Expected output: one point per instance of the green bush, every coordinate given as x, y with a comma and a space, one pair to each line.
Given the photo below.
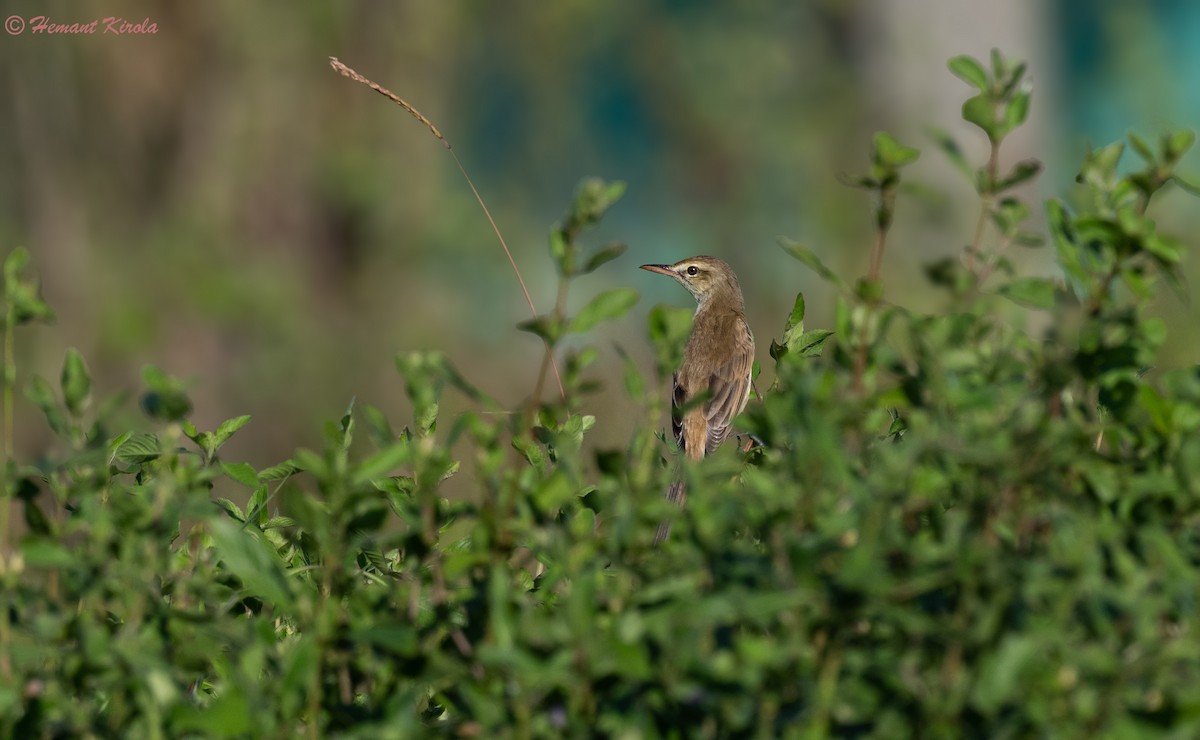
951, 528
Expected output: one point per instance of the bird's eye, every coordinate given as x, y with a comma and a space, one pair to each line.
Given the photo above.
692, 270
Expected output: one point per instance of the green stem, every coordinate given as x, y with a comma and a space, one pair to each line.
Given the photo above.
10, 377
560, 309
985, 205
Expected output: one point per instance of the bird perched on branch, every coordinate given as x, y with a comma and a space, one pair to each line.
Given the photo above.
717, 363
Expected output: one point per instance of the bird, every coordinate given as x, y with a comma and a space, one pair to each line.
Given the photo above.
717, 363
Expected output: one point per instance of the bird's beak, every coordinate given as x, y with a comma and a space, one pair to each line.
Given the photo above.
660, 269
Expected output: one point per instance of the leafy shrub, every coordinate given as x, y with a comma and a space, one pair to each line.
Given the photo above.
952, 528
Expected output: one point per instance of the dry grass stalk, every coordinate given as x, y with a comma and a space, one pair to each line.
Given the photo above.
347, 72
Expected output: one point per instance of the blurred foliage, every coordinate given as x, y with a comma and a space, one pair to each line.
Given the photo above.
954, 528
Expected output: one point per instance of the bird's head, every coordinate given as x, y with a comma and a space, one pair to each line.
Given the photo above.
704, 277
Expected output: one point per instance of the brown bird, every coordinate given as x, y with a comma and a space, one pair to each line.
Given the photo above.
717, 362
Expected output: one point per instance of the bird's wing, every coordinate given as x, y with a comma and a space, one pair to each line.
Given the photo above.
729, 386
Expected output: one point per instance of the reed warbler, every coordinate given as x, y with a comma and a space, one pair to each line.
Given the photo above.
717, 363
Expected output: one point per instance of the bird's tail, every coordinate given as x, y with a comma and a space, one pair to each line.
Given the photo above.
677, 495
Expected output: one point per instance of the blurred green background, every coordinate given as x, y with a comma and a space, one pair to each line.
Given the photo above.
214, 199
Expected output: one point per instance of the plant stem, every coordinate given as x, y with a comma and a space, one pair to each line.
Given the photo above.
883, 220
10, 377
560, 308
985, 205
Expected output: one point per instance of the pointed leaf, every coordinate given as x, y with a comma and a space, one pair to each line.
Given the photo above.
255, 562
228, 428
969, 70
953, 152
1177, 144
283, 470
546, 327
1016, 111
42, 395
76, 383
1022, 171
1142, 148
809, 258
136, 448
796, 318
1032, 292
891, 153
809, 343
610, 304
382, 462
242, 473
603, 256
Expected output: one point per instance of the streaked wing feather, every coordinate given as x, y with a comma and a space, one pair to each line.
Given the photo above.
678, 398
730, 388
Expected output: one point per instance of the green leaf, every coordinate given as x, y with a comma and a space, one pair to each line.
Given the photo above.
809, 343
809, 258
1022, 172
134, 448
546, 326
22, 294
255, 562
999, 65
669, 327
1165, 249
1003, 675
228, 428
1014, 79
1142, 148
383, 462
1032, 292
345, 427
562, 251
531, 451
892, 154
42, 395
592, 199
231, 509
777, 351
610, 304
635, 385
981, 111
1177, 144
13, 264
603, 256
795, 339
242, 473
76, 383
1009, 214
796, 317
970, 71
953, 152
40, 552
378, 427
1016, 111
283, 470
1028, 239
1104, 161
